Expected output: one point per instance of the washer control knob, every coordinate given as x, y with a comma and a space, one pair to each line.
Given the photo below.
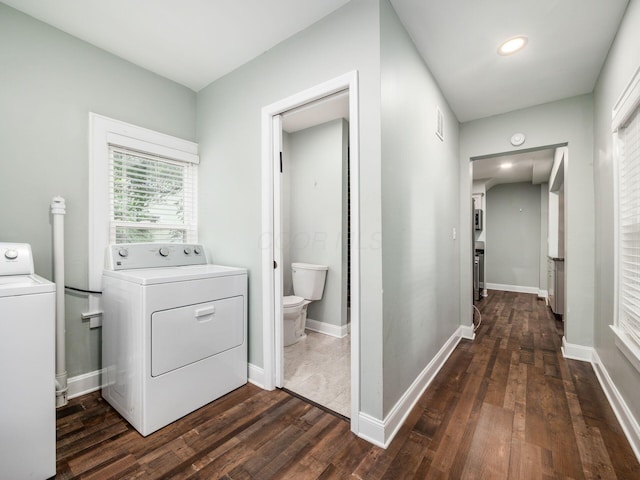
11, 254
197, 250
123, 252
164, 251
187, 251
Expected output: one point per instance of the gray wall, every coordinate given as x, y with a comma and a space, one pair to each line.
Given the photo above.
313, 168
621, 64
565, 121
512, 248
49, 82
419, 210
229, 134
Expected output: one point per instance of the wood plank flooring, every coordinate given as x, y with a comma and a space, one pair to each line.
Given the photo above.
506, 406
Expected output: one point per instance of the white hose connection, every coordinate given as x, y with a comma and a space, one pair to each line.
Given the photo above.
58, 211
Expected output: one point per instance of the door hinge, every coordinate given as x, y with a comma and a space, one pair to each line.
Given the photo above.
280, 162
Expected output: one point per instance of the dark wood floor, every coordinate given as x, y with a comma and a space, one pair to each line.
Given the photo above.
506, 406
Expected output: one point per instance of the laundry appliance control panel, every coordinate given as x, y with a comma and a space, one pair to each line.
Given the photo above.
128, 256
16, 259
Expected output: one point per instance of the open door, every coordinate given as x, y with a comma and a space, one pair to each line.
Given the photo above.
272, 258
277, 250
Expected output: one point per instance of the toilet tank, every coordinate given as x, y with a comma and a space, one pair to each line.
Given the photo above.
308, 280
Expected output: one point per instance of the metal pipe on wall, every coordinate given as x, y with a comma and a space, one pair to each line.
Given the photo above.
58, 210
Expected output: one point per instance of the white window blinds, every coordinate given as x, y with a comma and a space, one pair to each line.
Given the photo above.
629, 227
151, 198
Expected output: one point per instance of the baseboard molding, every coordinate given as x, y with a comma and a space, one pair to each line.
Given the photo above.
371, 429
381, 433
328, 329
577, 352
466, 331
83, 384
512, 288
618, 405
256, 375
543, 294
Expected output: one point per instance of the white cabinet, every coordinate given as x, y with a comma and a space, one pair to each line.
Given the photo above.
555, 284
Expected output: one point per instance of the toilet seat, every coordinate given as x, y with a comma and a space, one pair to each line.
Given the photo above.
291, 301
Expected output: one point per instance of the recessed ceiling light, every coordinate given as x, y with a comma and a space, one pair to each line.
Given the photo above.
506, 165
512, 45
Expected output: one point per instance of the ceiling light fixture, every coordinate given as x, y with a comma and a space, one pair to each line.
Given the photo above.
512, 45
506, 165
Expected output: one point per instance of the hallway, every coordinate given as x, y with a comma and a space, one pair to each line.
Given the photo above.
537, 414
506, 406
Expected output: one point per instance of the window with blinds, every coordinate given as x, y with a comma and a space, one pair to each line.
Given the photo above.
151, 198
629, 227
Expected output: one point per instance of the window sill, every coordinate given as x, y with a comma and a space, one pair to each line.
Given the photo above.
627, 346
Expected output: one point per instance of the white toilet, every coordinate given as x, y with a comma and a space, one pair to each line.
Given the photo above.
308, 285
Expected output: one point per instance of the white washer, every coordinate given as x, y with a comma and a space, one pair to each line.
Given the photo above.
174, 331
27, 367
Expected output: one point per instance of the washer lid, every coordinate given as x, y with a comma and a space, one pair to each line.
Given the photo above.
13, 285
292, 301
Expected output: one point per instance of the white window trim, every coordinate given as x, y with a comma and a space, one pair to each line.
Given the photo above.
102, 131
624, 107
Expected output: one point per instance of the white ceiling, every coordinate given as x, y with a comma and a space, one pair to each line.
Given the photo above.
568, 43
324, 110
534, 167
194, 42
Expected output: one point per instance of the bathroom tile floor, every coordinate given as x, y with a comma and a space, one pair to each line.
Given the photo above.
318, 368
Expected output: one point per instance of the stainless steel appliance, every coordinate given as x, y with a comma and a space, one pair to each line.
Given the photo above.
477, 219
479, 285
476, 278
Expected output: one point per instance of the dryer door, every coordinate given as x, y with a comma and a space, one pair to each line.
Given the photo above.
185, 335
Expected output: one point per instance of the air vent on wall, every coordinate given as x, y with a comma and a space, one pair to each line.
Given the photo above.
439, 124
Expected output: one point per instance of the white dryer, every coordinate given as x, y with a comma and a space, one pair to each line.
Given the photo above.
174, 331
27, 367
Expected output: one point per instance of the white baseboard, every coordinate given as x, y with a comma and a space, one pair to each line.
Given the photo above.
618, 405
466, 331
381, 433
512, 288
577, 352
543, 294
83, 384
256, 375
328, 329
371, 429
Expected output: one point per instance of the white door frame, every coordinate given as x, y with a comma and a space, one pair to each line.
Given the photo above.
270, 242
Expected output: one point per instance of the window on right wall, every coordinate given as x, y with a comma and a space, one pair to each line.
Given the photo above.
626, 144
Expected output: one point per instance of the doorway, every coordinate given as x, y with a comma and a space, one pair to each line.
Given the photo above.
515, 231
315, 237
272, 245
